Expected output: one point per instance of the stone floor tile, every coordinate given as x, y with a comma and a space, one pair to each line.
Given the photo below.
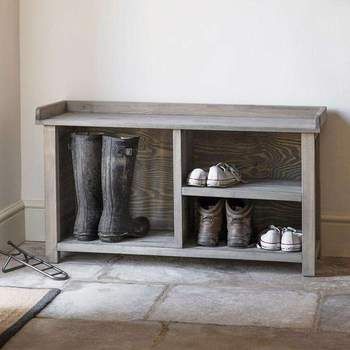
328, 285
87, 258
237, 306
53, 334
82, 271
103, 301
335, 313
279, 275
27, 277
209, 337
174, 271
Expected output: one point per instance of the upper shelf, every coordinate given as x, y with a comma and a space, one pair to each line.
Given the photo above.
183, 116
278, 190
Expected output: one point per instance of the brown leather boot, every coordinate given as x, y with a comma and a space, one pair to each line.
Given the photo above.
210, 212
239, 227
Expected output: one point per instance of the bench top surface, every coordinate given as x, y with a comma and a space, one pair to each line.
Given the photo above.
183, 116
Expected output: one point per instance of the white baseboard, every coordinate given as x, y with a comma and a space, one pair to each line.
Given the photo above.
335, 240
34, 220
12, 225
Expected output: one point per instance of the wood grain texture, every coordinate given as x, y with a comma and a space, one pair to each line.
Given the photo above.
188, 116
309, 204
276, 213
180, 225
269, 190
259, 156
265, 213
67, 194
199, 109
184, 122
163, 245
318, 196
52, 207
264, 142
51, 110
152, 189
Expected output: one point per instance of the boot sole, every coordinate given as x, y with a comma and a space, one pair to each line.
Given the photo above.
111, 240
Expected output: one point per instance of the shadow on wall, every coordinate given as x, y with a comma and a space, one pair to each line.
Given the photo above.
335, 186
335, 165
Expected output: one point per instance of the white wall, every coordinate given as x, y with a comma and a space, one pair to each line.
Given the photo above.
293, 52
11, 207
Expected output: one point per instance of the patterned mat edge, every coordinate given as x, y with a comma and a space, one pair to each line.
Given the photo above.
43, 302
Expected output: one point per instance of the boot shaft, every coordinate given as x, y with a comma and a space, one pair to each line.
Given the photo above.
117, 168
86, 159
239, 223
210, 212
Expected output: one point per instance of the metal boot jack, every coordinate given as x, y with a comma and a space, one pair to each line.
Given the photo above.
24, 259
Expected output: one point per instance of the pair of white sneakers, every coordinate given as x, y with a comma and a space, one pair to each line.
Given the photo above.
287, 239
219, 175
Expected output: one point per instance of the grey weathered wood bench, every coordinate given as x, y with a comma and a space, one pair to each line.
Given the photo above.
275, 147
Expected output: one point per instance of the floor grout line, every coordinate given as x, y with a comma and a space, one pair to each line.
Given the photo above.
158, 301
161, 335
317, 316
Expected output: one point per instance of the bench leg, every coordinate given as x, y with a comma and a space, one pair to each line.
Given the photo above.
308, 203
51, 193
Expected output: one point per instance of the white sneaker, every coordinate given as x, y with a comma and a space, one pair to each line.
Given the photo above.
223, 175
291, 240
270, 239
197, 177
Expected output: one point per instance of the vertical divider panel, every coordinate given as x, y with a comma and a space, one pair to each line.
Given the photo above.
179, 173
51, 192
308, 160
318, 196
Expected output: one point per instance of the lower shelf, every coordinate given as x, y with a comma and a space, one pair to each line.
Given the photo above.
161, 244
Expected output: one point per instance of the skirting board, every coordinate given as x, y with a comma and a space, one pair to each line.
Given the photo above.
12, 225
34, 220
335, 237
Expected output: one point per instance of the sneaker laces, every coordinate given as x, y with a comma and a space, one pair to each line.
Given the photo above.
273, 227
292, 229
233, 170
270, 227
208, 218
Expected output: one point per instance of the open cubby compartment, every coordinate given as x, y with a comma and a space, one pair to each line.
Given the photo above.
269, 162
152, 188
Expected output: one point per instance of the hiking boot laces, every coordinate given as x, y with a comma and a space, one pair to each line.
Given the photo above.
209, 219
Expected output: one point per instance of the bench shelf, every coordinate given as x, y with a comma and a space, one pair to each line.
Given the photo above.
278, 190
275, 147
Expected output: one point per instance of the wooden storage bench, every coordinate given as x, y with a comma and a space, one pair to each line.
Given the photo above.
276, 149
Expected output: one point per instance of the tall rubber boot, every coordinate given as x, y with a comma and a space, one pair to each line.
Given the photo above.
86, 156
117, 169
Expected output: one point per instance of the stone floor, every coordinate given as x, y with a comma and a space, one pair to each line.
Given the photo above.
129, 302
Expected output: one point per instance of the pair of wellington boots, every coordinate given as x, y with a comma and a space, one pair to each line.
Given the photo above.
103, 167
211, 221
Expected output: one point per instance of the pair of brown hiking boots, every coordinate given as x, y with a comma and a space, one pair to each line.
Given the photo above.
211, 221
